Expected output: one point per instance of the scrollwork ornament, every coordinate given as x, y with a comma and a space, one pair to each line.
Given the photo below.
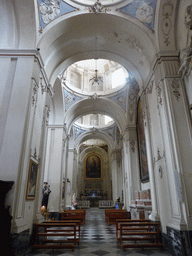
166, 24
132, 144
175, 85
159, 96
150, 88
98, 8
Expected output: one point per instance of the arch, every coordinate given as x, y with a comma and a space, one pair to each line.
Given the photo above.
99, 135
98, 105
61, 45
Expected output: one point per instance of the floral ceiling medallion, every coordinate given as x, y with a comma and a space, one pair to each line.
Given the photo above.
98, 8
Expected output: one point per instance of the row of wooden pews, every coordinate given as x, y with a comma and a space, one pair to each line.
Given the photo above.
60, 234
141, 233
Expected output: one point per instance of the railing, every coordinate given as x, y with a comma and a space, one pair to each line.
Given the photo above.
83, 204
106, 204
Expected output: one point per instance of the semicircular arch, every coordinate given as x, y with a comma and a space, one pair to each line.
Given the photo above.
96, 106
98, 135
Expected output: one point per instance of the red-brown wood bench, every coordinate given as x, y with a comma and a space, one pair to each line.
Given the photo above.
139, 235
78, 226
74, 215
112, 216
55, 236
120, 221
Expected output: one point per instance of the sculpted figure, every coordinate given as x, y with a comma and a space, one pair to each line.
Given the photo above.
185, 67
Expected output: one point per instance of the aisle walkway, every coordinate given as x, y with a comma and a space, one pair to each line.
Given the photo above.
98, 239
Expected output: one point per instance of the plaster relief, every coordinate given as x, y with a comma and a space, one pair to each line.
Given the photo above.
166, 24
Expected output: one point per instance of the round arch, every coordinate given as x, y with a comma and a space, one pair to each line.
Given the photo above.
98, 135
129, 45
96, 106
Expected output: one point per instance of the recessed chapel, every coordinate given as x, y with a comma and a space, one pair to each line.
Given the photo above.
96, 102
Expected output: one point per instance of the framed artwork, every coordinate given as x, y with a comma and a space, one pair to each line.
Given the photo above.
144, 173
32, 180
93, 167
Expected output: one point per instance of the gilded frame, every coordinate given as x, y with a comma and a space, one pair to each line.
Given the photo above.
93, 167
32, 180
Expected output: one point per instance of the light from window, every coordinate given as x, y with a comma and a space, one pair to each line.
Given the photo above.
118, 78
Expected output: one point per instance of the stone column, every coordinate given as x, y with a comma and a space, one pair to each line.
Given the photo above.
177, 137
115, 169
131, 164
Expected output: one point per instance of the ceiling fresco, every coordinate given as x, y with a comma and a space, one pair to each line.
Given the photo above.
142, 10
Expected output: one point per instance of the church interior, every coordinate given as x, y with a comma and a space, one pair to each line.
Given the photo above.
96, 112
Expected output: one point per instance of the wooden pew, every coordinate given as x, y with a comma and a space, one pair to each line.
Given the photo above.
74, 215
143, 234
113, 215
120, 221
78, 226
66, 232
112, 210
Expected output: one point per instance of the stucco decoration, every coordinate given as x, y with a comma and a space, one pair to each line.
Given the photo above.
78, 131
120, 99
70, 99
35, 94
143, 10
188, 17
166, 24
98, 8
175, 85
110, 131
51, 9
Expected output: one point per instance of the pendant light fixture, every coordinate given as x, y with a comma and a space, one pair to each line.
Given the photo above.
96, 79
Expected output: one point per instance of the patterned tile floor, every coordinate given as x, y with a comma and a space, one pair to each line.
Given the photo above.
98, 239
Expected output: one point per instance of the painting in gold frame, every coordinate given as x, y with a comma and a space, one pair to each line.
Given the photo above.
32, 180
92, 167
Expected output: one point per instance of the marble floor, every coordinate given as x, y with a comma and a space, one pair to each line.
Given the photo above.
97, 239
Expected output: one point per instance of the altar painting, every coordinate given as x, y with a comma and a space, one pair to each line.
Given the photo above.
142, 144
93, 167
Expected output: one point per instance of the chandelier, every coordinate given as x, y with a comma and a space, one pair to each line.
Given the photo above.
96, 79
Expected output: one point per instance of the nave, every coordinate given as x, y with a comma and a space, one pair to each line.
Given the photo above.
98, 238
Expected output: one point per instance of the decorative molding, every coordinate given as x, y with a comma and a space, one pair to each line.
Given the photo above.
120, 99
166, 24
34, 156
159, 157
132, 144
159, 96
144, 117
94, 96
35, 89
111, 132
94, 130
150, 87
175, 85
160, 172
188, 17
97, 8
70, 99
78, 131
